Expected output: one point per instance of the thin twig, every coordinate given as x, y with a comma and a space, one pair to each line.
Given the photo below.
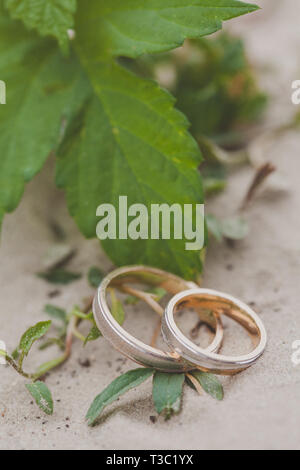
195, 383
261, 174
147, 297
156, 333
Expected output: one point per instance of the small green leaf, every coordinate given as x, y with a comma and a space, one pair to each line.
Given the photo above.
210, 384
56, 312
32, 335
93, 335
158, 292
42, 395
118, 387
213, 185
117, 308
235, 228
214, 227
59, 276
47, 366
95, 276
15, 354
131, 300
50, 342
167, 392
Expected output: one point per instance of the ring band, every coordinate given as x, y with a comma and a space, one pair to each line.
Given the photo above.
127, 344
224, 304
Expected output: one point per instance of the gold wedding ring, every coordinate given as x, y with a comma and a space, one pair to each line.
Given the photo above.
225, 304
127, 344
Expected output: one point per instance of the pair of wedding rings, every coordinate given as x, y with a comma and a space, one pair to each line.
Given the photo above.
184, 355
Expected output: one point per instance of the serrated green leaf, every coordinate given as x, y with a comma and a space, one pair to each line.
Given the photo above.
33, 334
210, 384
56, 312
48, 17
167, 392
235, 228
42, 395
93, 335
59, 276
153, 131
42, 91
134, 27
95, 276
118, 387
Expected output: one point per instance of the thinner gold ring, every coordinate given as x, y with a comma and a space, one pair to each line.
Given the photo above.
204, 359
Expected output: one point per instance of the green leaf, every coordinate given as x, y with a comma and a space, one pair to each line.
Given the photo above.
43, 90
214, 227
117, 308
95, 276
167, 392
210, 384
33, 334
104, 155
47, 366
135, 27
15, 354
59, 276
93, 335
48, 17
131, 300
118, 387
56, 312
217, 90
235, 228
50, 342
42, 395
158, 292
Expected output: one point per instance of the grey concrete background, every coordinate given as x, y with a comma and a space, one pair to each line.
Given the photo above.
261, 408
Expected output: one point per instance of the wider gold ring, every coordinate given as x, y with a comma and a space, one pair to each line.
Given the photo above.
127, 344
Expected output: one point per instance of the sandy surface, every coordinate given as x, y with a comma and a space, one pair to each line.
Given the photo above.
261, 409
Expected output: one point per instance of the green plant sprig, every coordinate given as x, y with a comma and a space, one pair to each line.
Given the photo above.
167, 388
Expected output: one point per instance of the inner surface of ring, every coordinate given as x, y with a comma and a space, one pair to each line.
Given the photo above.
221, 306
171, 283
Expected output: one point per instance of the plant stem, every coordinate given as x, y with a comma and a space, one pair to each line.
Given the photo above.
145, 296
18, 368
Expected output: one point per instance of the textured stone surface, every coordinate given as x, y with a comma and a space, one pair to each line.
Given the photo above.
261, 409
